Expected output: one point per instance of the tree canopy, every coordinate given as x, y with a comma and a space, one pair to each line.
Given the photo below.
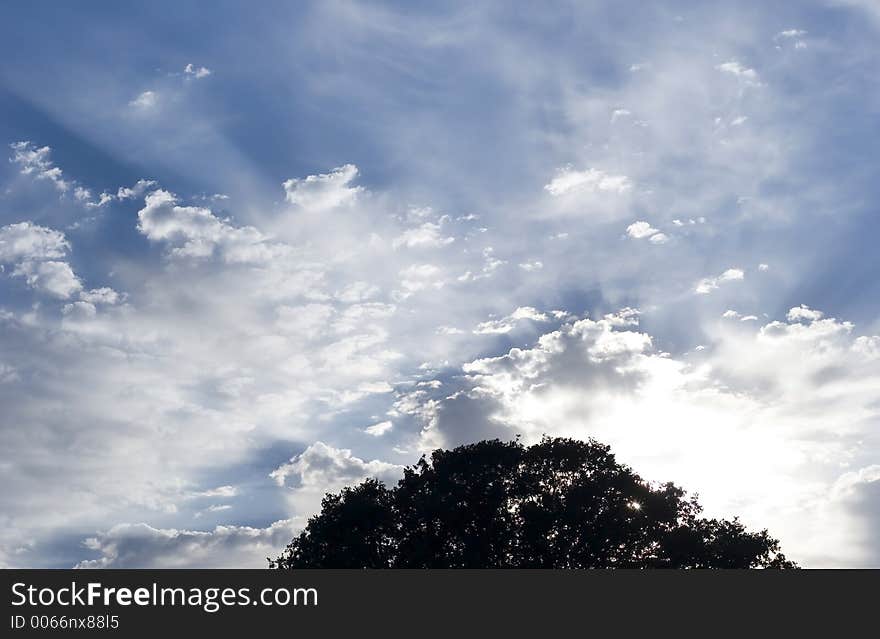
560, 503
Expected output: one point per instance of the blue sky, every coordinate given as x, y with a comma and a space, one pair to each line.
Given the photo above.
252, 254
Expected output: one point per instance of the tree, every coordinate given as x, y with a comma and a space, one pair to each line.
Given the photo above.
561, 503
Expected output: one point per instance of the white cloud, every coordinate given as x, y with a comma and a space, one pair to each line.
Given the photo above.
143, 546
425, 236
196, 232
420, 276
709, 284
53, 277
146, 100
28, 241
735, 68
325, 468
692, 423
689, 222
641, 229
568, 181
450, 330
103, 295
80, 310
324, 191
226, 491
532, 265
509, 322
729, 314
490, 265
791, 35
848, 483
803, 313
298, 328
30, 248
136, 190
196, 72
732, 274
378, 429
35, 161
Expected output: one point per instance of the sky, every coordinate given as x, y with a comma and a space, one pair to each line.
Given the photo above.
253, 253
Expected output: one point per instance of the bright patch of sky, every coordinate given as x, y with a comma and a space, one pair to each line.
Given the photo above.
233, 277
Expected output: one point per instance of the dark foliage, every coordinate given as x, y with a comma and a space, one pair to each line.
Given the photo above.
561, 503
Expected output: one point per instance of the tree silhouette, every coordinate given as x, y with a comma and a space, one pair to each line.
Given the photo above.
561, 503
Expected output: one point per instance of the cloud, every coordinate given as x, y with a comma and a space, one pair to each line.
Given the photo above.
568, 181
731, 314
489, 266
641, 230
53, 277
532, 265
509, 322
324, 191
84, 196
420, 276
855, 502
35, 161
849, 483
144, 101
735, 68
196, 232
694, 422
297, 321
30, 248
709, 284
197, 72
322, 467
143, 546
425, 236
135, 191
582, 356
29, 241
803, 313
378, 429
794, 36
103, 295
226, 491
